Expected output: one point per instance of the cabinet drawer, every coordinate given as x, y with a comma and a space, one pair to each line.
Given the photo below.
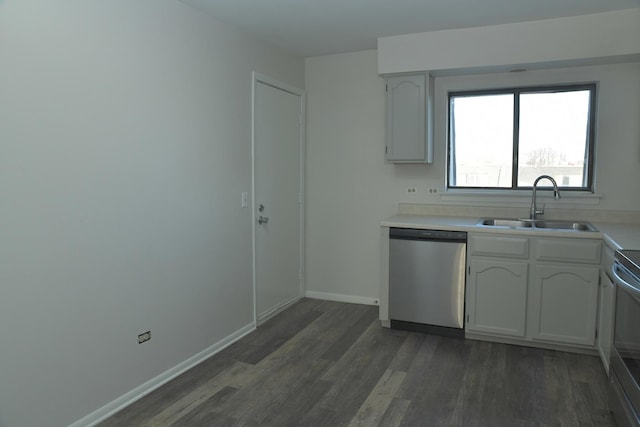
572, 250
503, 246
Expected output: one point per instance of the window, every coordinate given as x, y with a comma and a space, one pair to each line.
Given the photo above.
504, 139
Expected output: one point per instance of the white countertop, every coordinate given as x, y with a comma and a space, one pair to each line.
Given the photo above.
620, 236
617, 236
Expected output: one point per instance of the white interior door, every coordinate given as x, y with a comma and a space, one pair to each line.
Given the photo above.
277, 144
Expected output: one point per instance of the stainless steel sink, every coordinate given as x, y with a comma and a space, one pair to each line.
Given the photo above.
542, 224
564, 225
506, 222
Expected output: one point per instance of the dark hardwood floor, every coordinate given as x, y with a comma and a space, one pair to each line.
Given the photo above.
322, 363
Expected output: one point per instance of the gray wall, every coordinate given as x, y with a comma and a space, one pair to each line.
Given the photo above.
125, 142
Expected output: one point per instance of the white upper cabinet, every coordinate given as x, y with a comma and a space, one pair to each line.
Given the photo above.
408, 119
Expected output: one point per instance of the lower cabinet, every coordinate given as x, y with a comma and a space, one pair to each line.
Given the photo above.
497, 297
533, 298
605, 308
564, 301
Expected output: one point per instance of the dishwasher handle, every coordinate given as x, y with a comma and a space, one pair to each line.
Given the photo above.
418, 234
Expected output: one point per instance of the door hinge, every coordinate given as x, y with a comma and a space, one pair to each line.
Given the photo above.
467, 317
386, 87
596, 334
469, 270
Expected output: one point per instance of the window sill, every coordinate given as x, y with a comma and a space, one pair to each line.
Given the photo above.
502, 197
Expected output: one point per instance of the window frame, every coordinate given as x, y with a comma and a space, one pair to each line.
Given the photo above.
592, 87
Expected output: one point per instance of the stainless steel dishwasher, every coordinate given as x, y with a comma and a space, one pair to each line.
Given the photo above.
427, 280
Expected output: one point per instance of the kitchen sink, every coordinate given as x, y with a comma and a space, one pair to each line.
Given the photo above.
511, 223
564, 225
541, 224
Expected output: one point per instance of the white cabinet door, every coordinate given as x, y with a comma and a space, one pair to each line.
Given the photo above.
605, 319
606, 301
563, 303
408, 126
497, 297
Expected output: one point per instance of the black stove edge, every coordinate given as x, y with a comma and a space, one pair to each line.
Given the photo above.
630, 258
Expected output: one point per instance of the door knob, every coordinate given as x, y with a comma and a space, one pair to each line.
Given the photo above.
263, 220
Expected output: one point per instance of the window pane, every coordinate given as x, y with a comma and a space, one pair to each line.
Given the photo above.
553, 137
481, 141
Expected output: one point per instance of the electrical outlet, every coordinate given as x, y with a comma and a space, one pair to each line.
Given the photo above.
433, 190
144, 337
411, 190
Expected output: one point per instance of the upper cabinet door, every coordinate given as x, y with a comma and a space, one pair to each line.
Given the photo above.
408, 126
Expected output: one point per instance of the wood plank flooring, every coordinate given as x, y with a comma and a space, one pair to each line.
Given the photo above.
322, 363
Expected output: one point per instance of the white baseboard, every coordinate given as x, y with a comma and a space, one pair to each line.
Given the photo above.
142, 390
267, 315
342, 298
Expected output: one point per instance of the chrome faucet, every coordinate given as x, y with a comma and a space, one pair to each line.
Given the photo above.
556, 195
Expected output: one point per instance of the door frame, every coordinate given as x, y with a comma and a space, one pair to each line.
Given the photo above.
258, 78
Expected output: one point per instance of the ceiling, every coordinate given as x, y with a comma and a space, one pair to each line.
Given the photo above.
320, 27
